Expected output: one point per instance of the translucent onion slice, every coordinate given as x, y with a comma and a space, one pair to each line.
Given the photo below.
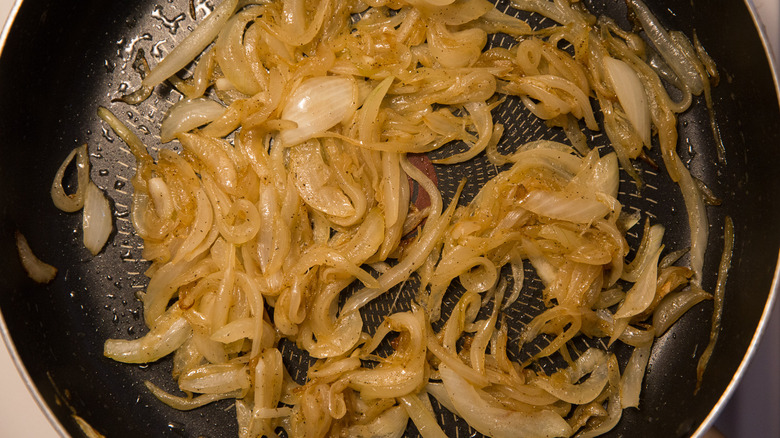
438, 2
667, 47
580, 393
317, 105
161, 197
455, 49
631, 382
483, 121
674, 305
697, 219
137, 147
651, 241
187, 114
199, 229
720, 290
38, 270
422, 416
614, 406
234, 330
344, 334
98, 223
598, 174
75, 201
189, 48
315, 183
561, 206
631, 95
215, 378
401, 373
497, 422
169, 334
438, 392
389, 424
187, 403
641, 295
460, 12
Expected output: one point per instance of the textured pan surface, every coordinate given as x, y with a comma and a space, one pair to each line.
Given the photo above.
63, 59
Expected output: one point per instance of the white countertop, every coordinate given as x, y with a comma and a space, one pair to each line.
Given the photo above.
20, 415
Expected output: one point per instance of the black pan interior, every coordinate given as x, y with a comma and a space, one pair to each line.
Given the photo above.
62, 59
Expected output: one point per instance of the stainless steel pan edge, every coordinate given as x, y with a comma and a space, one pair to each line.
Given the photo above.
773, 300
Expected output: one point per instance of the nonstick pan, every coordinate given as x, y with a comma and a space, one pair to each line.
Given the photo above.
61, 59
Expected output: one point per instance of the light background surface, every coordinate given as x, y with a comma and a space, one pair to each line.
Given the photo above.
752, 410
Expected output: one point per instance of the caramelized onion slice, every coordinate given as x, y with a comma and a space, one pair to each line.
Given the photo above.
38, 270
498, 422
75, 201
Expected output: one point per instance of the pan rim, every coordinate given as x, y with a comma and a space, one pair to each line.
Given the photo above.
739, 374
772, 300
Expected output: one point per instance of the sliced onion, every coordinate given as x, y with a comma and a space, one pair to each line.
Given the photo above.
74, 202
483, 121
498, 422
641, 295
315, 182
317, 105
598, 174
187, 403
189, 48
137, 147
389, 424
38, 270
344, 334
161, 197
422, 416
439, 392
455, 49
401, 373
579, 393
97, 223
215, 378
631, 95
367, 126
213, 154
169, 334
461, 12
718, 296
438, 2
416, 255
561, 206
631, 382
651, 242
235, 330
199, 229
697, 219
637, 337
187, 114
162, 287
674, 305
614, 406
666, 46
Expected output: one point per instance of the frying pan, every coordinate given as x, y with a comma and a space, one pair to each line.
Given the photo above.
61, 59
